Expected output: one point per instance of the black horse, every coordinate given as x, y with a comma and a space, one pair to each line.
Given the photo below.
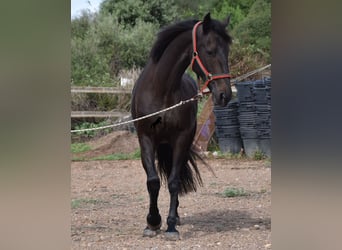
168, 136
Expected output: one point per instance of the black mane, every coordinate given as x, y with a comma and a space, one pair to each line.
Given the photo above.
166, 36
169, 33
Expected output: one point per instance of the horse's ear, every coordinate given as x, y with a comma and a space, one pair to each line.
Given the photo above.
226, 21
206, 23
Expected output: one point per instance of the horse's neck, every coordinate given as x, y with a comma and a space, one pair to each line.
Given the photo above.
173, 63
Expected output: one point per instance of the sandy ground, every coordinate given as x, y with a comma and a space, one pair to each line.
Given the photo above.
110, 203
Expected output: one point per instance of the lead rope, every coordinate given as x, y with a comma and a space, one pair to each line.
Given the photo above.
194, 98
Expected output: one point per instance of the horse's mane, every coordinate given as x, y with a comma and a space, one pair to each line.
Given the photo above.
169, 33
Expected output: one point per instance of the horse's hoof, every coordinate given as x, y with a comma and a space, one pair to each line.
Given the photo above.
172, 236
150, 233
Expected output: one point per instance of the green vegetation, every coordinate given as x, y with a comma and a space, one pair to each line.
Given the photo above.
132, 11
120, 35
234, 192
80, 147
259, 156
112, 157
119, 156
227, 155
76, 203
201, 103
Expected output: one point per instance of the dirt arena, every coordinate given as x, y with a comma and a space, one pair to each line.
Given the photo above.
110, 203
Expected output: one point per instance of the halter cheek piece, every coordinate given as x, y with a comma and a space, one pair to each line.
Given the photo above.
195, 57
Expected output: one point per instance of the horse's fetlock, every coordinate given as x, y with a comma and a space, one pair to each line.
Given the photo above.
171, 221
154, 221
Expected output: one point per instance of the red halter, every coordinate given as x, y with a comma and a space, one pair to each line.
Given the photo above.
209, 76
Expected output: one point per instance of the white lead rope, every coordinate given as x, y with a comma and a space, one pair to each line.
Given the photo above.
139, 118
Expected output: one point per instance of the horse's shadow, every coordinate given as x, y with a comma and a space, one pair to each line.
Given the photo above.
224, 220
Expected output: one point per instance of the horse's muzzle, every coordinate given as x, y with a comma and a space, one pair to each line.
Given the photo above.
221, 97
225, 98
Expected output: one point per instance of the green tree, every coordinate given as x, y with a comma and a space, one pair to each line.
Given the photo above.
106, 47
251, 48
81, 25
91, 51
255, 29
128, 12
237, 9
134, 44
194, 9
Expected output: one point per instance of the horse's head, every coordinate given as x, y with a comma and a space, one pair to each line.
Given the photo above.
210, 58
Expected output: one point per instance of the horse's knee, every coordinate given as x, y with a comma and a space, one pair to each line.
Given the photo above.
153, 184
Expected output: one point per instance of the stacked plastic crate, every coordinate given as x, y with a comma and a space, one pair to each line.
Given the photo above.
227, 127
255, 116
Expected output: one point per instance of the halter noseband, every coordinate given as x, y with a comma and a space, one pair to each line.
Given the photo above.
209, 76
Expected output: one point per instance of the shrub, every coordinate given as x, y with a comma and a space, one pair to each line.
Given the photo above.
104, 47
130, 12
134, 44
255, 30
91, 53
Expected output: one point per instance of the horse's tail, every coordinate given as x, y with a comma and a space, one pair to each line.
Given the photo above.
190, 177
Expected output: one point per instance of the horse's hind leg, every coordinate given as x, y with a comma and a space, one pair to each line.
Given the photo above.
173, 218
179, 159
153, 186
178, 222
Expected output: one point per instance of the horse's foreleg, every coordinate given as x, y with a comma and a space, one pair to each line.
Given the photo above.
153, 186
153, 217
